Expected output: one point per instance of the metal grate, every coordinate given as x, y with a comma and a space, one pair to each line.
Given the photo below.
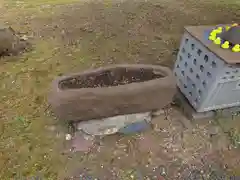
206, 80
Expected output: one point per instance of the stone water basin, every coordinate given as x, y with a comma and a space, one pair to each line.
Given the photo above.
111, 91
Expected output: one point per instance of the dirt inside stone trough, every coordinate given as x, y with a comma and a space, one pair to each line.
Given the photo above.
113, 77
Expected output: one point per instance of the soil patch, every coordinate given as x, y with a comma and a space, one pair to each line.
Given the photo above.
113, 77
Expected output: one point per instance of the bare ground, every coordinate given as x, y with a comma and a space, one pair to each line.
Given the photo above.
72, 37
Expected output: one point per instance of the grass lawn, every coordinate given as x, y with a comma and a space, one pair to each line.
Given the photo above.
71, 35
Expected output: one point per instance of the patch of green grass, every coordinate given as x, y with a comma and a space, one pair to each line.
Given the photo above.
234, 136
29, 148
236, 2
230, 126
30, 3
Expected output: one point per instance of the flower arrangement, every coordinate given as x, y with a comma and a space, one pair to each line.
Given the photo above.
215, 37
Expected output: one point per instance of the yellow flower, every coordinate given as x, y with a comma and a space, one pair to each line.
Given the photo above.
217, 41
236, 48
225, 45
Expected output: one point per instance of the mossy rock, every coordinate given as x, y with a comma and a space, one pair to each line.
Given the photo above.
11, 44
232, 35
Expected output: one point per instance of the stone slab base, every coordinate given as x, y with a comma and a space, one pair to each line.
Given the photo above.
188, 110
126, 124
191, 114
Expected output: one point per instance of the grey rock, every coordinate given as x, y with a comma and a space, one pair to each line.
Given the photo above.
111, 125
12, 43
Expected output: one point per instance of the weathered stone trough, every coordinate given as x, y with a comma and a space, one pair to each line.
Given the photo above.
111, 91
